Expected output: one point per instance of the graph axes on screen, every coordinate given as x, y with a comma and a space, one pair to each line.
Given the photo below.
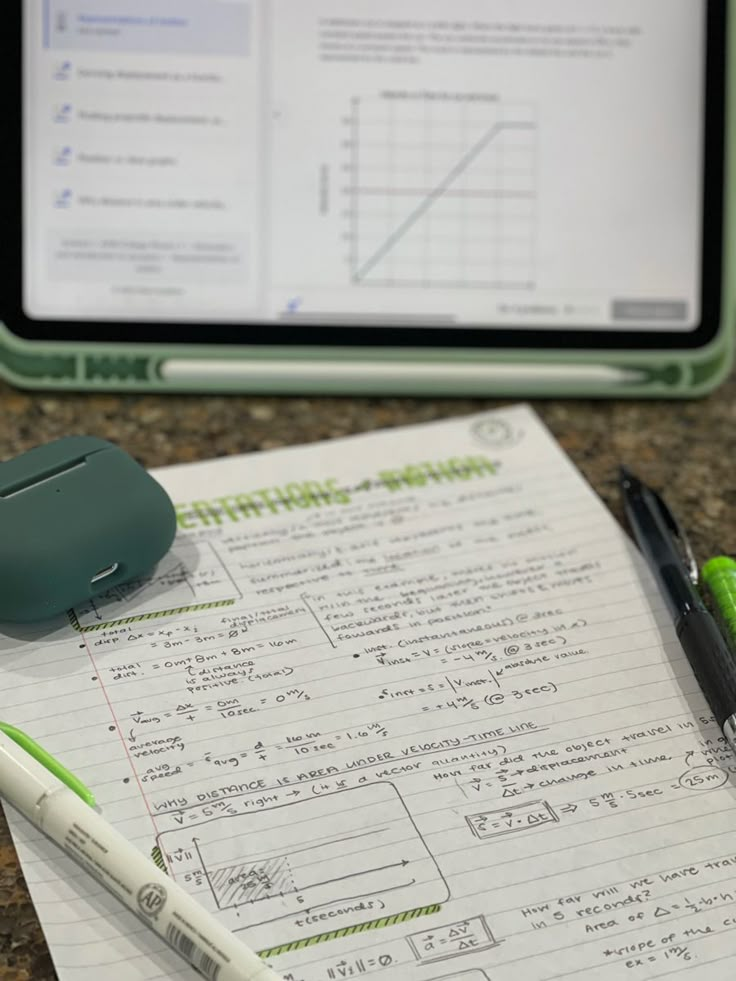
434, 195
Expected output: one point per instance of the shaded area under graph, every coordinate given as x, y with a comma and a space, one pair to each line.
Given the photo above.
442, 192
191, 576
330, 863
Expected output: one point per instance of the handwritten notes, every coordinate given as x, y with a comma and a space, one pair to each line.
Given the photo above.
401, 706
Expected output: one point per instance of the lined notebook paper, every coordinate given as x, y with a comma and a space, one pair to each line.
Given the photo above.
405, 705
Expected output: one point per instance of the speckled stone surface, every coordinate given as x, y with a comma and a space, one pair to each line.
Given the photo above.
687, 449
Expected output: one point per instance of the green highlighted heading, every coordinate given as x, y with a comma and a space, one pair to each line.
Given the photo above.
308, 494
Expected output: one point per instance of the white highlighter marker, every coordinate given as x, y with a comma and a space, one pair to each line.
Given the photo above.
65, 815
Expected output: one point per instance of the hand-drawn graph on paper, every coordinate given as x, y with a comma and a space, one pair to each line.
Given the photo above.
312, 870
191, 577
442, 191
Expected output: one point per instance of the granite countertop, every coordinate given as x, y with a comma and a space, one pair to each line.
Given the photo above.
686, 448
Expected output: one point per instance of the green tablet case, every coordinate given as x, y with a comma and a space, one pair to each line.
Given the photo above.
391, 371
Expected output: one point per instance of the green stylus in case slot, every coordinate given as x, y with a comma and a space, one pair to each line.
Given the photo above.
77, 517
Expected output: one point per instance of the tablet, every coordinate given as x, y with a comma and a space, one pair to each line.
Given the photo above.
363, 196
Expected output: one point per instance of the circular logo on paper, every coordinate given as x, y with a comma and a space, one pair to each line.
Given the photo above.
151, 899
496, 433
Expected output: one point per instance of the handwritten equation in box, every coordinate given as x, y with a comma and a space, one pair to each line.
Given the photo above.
518, 817
452, 940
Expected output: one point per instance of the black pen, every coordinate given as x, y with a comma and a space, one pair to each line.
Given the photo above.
667, 552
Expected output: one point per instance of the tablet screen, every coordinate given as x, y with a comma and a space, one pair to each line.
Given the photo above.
446, 163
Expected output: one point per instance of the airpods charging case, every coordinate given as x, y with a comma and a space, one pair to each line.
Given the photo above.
77, 517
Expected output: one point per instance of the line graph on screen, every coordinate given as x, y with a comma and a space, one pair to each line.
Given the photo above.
441, 191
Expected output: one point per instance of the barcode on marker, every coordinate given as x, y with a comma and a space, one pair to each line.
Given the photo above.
198, 958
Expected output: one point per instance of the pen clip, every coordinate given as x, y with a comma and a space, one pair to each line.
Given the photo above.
686, 552
46, 760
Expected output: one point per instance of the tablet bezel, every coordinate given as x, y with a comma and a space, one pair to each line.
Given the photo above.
278, 334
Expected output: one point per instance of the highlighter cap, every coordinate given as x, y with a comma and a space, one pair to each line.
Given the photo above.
718, 566
77, 517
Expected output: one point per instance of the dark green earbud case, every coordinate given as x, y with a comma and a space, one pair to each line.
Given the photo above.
77, 517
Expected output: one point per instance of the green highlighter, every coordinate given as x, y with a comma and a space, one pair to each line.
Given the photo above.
46, 759
719, 574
